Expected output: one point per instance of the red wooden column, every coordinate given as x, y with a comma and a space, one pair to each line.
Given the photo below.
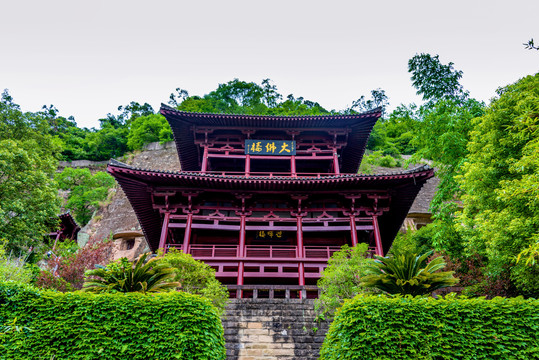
187, 235
205, 160
336, 162
241, 254
353, 230
300, 252
293, 165
377, 238
247, 165
164, 232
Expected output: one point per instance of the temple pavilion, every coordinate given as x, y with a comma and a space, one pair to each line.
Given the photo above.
268, 199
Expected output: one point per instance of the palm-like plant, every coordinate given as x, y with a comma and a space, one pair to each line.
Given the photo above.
140, 276
408, 274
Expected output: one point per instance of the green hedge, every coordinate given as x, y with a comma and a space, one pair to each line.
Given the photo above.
378, 327
50, 325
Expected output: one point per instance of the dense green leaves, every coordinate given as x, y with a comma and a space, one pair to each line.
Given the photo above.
341, 279
195, 277
86, 191
147, 129
14, 268
407, 274
500, 217
28, 196
130, 326
376, 327
432, 79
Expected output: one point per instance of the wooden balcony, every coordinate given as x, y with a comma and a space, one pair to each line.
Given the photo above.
258, 252
263, 261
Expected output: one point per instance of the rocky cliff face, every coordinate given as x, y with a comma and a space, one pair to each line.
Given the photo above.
116, 216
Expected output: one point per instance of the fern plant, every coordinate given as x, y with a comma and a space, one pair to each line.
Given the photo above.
408, 274
123, 276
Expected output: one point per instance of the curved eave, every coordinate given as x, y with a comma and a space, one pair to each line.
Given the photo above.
181, 122
69, 224
136, 183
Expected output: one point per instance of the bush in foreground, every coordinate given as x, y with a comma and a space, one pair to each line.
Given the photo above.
45, 325
380, 327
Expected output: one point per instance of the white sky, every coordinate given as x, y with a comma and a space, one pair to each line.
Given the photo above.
87, 58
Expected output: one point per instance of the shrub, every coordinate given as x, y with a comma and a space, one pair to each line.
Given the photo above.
407, 274
196, 277
125, 276
14, 268
379, 327
69, 264
341, 279
130, 326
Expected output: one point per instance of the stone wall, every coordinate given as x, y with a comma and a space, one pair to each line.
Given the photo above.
264, 329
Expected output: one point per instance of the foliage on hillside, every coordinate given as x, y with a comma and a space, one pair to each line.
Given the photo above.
86, 191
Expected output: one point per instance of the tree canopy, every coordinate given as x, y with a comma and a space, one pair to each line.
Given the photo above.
500, 215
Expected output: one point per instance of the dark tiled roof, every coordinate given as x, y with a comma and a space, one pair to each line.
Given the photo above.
136, 182
360, 124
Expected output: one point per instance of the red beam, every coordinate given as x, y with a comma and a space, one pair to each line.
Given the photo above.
274, 228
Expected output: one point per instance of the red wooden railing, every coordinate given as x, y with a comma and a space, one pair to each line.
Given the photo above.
271, 251
259, 251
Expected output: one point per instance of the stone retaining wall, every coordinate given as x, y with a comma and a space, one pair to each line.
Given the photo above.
264, 329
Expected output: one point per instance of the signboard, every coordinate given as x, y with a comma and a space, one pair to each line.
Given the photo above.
270, 235
270, 147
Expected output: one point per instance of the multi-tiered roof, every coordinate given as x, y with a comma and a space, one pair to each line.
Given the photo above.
226, 199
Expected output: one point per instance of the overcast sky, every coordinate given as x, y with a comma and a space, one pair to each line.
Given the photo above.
88, 58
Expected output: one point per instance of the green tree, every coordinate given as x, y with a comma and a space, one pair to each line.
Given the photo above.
434, 80
441, 135
500, 216
196, 277
146, 129
407, 274
86, 191
341, 279
28, 194
123, 276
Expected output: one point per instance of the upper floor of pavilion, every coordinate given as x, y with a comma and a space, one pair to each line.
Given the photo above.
255, 145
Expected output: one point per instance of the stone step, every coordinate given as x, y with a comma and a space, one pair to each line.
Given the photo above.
265, 329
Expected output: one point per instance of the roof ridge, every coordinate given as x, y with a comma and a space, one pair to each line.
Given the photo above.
424, 167
191, 113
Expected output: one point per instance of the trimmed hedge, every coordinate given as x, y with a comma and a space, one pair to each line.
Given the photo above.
379, 327
130, 326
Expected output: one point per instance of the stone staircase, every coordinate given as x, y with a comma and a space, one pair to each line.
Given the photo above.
264, 329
